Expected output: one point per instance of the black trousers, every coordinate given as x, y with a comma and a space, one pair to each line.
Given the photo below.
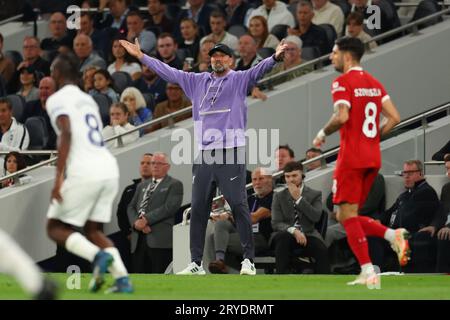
443, 256
150, 260
287, 248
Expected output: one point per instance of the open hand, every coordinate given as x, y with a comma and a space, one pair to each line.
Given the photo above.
133, 49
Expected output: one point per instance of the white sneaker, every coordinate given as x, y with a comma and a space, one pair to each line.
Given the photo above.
248, 268
369, 278
401, 246
193, 269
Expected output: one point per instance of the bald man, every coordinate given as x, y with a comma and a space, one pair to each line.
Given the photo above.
82, 45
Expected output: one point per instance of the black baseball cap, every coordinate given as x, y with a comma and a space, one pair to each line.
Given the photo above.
29, 69
221, 48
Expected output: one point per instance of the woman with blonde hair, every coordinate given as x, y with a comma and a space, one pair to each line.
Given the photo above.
135, 102
259, 30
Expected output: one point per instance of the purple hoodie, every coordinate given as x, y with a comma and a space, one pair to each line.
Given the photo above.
219, 105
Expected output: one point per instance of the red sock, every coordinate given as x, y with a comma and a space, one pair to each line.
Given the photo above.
372, 227
357, 240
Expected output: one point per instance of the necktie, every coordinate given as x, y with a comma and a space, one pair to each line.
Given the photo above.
147, 193
297, 224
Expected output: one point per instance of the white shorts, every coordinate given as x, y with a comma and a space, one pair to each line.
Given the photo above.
85, 201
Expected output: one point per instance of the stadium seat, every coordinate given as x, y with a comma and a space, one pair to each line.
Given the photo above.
279, 31
344, 5
310, 53
38, 132
122, 80
181, 54
2, 86
15, 56
331, 34
426, 8
292, 7
18, 106
237, 30
104, 103
266, 52
149, 101
173, 11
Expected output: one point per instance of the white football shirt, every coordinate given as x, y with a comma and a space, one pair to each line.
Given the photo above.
88, 158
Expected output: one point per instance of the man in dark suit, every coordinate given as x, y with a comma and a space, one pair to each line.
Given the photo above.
151, 214
295, 211
443, 251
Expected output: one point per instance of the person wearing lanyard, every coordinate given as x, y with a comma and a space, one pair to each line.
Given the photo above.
219, 111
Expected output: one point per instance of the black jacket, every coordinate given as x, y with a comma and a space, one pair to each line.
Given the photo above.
125, 199
439, 156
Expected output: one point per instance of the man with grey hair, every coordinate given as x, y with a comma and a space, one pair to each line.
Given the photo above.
151, 214
225, 238
82, 45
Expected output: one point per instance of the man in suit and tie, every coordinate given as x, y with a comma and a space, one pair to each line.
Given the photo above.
151, 213
295, 211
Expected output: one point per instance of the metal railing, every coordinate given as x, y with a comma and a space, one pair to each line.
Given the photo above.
32, 152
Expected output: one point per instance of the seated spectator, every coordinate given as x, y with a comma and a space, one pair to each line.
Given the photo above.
118, 114
225, 238
99, 39
135, 102
355, 28
441, 154
283, 155
327, 12
29, 79
14, 162
248, 56
104, 83
311, 34
61, 38
416, 210
236, 12
150, 82
135, 24
31, 53
312, 153
88, 78
190, 40
443, 245
218, 34
151, 212
82, 46
124, 61
275, 12
167, 51
176, 100
157, 21
295, 211
200, 11
13, 135
259, 30
116, 18
6, 65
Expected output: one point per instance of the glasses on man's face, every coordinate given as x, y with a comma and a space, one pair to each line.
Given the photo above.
291, 49
409, 172
153, 163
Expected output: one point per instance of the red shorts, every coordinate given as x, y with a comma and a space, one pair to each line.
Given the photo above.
353, 185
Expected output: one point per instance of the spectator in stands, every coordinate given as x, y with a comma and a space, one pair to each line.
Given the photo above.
218, 23
204, 59
104, 83
88, 78
167, 50
259, 30
327, 12
190, 40
275, 12
14, 162
124, 62
200, 11
225, 239
311, 34
135, 102
29, 80
60, 40
150, 82
115, 18
355, 28
82, 46
312, 153
118, 115
13, 135
283, 155
248, 53
295, 211
441, 154
99, 39
443, 245
236, 12
151, 212
176, 100
135, 25
158, 22
6, 65
417, 210
145, 173
31, 52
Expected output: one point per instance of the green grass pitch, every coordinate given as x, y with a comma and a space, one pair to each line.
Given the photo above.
260, 287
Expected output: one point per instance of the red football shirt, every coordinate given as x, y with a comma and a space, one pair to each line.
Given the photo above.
360, 135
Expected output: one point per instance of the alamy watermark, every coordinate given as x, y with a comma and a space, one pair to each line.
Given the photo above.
73, 281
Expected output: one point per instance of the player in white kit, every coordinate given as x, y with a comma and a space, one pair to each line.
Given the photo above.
87, 178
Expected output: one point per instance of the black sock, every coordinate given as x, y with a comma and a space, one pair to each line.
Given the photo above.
199, 263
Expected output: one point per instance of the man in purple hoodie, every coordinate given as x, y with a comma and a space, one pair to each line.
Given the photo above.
219, 111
